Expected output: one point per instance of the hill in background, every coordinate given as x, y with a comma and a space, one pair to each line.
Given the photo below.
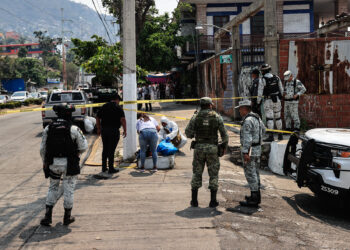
27, 16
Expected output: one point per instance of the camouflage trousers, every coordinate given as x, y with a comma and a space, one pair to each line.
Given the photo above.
67, 187
273, 113
201, 157
251, 172
291, 114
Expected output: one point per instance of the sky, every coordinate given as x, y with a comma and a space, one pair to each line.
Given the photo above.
162, 5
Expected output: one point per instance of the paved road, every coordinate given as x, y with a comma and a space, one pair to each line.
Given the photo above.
22, 184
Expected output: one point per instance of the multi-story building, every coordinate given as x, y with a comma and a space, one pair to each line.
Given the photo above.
294, 17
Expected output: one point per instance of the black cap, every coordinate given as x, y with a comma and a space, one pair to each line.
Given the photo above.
255, 71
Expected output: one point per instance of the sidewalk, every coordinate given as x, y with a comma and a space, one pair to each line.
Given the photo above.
134, 210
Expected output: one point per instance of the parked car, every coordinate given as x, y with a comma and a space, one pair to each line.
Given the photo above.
75, 97
43, 95
20, 96
320, 160
35, 95
4, 98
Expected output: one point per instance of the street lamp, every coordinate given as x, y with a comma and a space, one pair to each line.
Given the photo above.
200, 27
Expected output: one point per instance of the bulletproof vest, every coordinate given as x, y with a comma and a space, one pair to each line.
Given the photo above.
206, 127
254, 88
59, 141
256, 116
271, 88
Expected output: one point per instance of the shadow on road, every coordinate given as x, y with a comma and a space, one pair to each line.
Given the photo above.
43, 233
243, 210
318, 208
140, 174
198, 212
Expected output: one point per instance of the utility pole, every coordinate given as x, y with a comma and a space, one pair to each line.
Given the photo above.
64, 71
271, 36
64, 75
236, 65
129, 77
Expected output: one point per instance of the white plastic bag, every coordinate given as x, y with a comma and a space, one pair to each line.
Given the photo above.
89, 124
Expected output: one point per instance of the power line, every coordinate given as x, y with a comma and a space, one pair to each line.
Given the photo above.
110, 40
19, 18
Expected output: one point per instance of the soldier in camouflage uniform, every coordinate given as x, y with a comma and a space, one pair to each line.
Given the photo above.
293, 89
204, 127
251, 134
61, 145
271, 88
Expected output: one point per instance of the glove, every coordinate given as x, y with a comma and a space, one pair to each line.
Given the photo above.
167, 139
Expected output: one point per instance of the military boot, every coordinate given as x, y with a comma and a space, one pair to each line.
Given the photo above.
280, 137
252, 201
194, 201
259, 197
47, 220
68, 219
112, 170
213, 201
269, 138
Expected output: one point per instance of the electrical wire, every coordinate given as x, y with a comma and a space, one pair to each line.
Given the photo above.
110, 40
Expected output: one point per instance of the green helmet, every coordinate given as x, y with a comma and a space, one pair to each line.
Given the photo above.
205, 100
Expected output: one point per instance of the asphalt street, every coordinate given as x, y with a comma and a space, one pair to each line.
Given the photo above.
133, 210
22, 183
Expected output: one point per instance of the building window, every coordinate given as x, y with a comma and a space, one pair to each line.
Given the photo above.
257, 24
220, 21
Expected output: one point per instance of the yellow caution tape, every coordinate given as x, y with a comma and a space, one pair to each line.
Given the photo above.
93, 105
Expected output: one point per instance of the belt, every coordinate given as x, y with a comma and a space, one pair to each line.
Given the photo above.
291, 99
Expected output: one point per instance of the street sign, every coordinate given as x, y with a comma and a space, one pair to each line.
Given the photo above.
225, 59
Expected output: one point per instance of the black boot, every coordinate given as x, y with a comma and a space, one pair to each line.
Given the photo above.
269, 138
68, 219
104, 169
280, 137
259, 197
47, 220
213, 201
112, 170
194, 201
252, 201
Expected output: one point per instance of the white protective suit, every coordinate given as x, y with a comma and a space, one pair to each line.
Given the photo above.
174, 130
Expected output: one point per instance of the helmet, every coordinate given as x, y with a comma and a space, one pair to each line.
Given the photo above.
205, 100
64, 110
265, 67
287, 74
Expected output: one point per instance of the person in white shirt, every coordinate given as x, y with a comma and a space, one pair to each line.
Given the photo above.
147, 128
170, 131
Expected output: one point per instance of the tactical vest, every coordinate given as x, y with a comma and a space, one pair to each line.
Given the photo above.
59, 143
258, 118
294, 87
271, 88
254, 88
206, 127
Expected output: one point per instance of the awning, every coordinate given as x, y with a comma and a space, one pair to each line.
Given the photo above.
159, 78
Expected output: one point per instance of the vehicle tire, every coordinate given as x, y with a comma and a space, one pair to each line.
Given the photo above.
44, 125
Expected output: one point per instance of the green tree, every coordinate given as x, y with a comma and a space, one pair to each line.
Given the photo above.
84, 50
142, 9
54, 62
47, 44
22, 52
106, 64
158, 40
72, 72
7, 67
30, 69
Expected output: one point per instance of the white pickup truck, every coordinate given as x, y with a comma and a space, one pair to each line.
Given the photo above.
75, 97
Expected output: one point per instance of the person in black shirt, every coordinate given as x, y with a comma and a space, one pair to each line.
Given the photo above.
108, 121
254, 91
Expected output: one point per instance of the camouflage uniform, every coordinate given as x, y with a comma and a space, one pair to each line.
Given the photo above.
251, 135
59, 168
272, 109
291, 88
204, 127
